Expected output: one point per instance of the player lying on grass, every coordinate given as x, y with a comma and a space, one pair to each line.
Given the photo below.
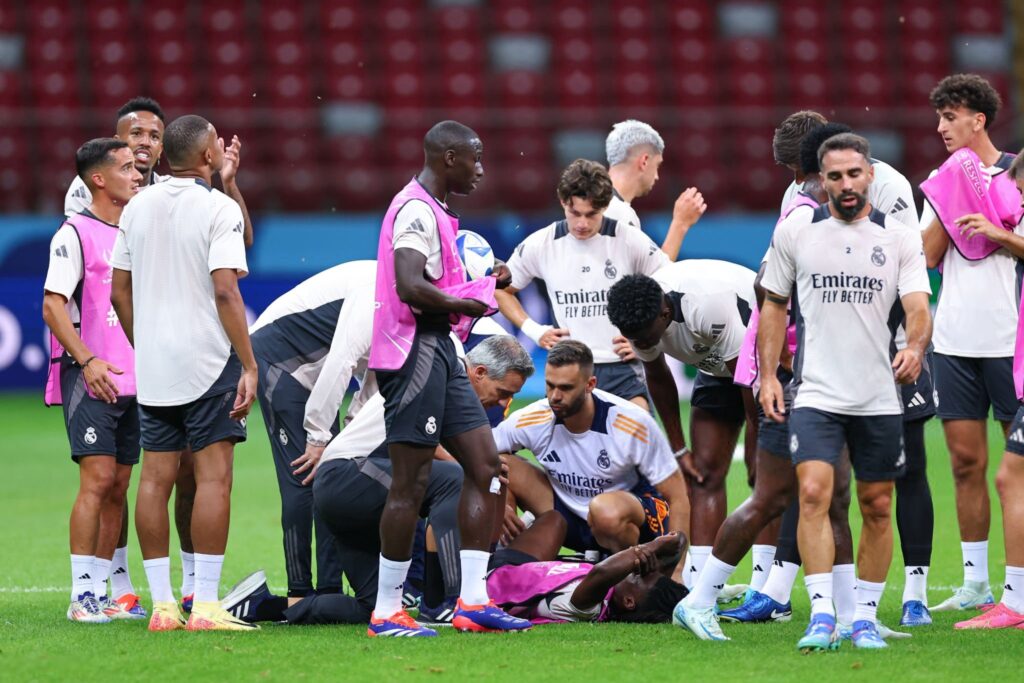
604, 464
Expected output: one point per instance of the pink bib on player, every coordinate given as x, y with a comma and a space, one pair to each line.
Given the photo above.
746, 364
394, 323
100, 329
962, 187
518, 589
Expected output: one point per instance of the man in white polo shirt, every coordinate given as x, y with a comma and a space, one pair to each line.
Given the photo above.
176, 263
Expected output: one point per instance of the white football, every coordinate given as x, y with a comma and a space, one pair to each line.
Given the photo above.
476, 254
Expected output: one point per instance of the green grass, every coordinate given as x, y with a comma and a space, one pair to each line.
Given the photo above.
38, 643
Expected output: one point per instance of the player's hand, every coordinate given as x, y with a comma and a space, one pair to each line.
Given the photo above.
308, 461
232, 158
786, 358
688, 465
623, 349
645, 559
503, 275
773, 403
245, 396
669, 548
473, 308
97, 378
906, 366
503, 470
689, 207
512, 526
975, 224
552, 337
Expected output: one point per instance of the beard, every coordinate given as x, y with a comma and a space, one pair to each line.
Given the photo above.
567, 410
848, 212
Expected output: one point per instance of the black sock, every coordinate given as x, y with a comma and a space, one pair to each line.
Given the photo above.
272, 609
786, 549
915, 515
433, 580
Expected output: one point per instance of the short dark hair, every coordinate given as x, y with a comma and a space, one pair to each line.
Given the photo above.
572, 352
656, 608
812, 141
1016, 169
634, 302
183, 138
140, 104
786, 141
845, 141
967, 90
447, 135
95, 153
587, 180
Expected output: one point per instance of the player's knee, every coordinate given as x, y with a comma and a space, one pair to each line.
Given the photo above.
815, 496
967, 466
1008, 483
876, 507
100, 482
605, 515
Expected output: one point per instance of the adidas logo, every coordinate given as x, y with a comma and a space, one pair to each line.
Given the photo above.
120, 570
758, 568
777, 563
918, 571
917, 400
693, 569
237, 228
551, 457
817, 596
1017, 435
61, 251
1007, 587
871, 603
83, 577
898, 206
719, 586
968, 563
80, 192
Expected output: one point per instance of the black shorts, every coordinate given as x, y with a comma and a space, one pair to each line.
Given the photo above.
580, 538
505, 557
919, 398
1015, 437
772, 436
199, 423
720, 396
430, 398
875, 441
95, 427
966, 387
625, 380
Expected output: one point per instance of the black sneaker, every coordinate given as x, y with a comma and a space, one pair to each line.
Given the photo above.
246, 595
438, 616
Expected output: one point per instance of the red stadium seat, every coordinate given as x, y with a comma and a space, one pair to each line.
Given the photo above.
744, 52
52, 53
530, 187
456, 22
234, 88
688, 18
229, 53
289, 53
800, 18
348, 85
340, 151
923, 18
342, 56
404, 88
693, 89
636, 88
115, 87
10, 18
403, 148
575, 52
515, 16
631, 17
282, 18
339, 18
398, 19
973, 16
171, 52
462, 87
175, 88
810, 88
635, 50
290, 88
55, 89
466, 52
577, 95
803, 50
864, 18
108, 18
224, 18
924, 52
50, 18
12, 94
115, 53
402, 51
573, 17
863, 51
695, 53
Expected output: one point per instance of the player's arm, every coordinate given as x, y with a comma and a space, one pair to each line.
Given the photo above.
976, 224
673, 491
686, 211
228, 175
415, 290
751, 426
521, 271
662, 386
95, 370
771, 336
906, 364
231, 311
656, 555
935, 240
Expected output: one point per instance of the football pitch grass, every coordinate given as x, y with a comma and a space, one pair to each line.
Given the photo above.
38, 643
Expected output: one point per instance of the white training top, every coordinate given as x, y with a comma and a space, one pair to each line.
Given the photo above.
78, 197
848, 277
711, 306
172, 236
890, 193
976, 315
622, 212
332, 309
416, 228
577, 274
623, 448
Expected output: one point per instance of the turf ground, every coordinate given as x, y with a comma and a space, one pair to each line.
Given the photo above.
38, 643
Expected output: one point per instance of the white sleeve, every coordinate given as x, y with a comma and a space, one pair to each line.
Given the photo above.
77, 199
120, 256
648, 257
416, 228
524, 262
66, 268
227, 246
780, 274
719, 319
896, 198
913, 275
351, 343
927, 212
510, 436
648, 355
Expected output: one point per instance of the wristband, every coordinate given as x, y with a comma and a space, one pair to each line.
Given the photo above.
319, 443
681, 452
88, 360
534, 330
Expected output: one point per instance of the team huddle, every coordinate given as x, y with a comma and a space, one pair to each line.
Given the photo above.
418, 490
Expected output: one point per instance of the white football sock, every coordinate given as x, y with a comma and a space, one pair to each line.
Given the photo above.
844, 592
709, 583
390, 586
819, 588
687, 563
1013, 589
761, 560
869, 594
975, 561
158, 575
100, 574
474, 577
779, 584
699, 554
915, 586
81, 575
208, 568
188, 573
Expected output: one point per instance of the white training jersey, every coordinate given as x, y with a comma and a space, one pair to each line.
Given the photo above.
319, 332
848, 278
622, 212
623, 449
976, 315
890, 193
711, 306
575, 276
172, 236
78, 197
416, 228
